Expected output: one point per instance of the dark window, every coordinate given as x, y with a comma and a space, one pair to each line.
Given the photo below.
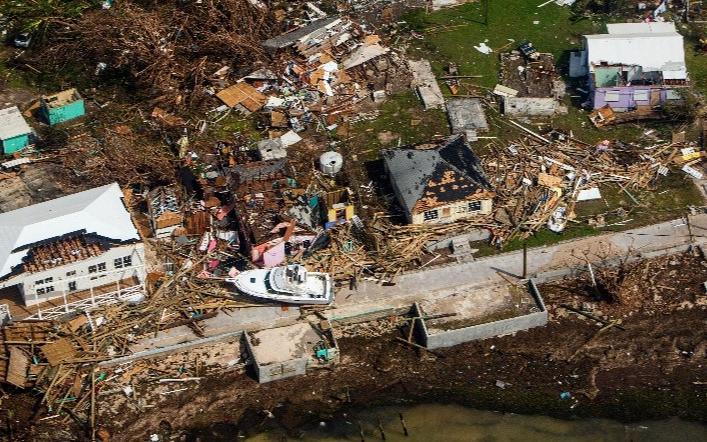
40, 291
43, 281
474, 206
92, 269
49, 288
72, 286
118, 263
430, 215
71, 273
101, 266
127, 261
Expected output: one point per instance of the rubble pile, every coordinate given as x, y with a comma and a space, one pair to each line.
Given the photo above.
539, 181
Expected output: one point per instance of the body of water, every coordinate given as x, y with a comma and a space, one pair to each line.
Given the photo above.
450, 423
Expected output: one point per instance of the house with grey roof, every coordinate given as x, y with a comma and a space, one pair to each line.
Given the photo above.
438, 182
14, 131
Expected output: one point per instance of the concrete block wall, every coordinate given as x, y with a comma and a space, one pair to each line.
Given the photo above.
275, 372
450, 338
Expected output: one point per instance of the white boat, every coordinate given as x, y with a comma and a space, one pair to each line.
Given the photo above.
291, 284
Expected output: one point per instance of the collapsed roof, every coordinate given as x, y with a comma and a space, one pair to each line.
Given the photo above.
99, 211
440, 173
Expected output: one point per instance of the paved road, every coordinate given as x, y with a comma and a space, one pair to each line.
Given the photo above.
442, 281
430, 282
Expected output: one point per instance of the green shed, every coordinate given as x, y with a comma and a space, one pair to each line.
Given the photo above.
14, 130
64, 106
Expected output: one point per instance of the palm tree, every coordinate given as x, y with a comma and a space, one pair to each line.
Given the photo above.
40, 17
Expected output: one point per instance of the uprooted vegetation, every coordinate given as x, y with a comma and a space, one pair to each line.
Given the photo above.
165, 53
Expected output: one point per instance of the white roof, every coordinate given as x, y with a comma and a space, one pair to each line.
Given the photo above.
99, 211
12, 123
652, 51
642, 28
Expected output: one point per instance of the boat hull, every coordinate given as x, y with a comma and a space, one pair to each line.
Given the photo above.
251, 283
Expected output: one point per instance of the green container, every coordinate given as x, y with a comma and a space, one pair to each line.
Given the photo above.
64, 113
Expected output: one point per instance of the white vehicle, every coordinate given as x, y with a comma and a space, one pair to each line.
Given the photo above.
291, 284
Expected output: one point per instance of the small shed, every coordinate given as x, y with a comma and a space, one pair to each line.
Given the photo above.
14, 130
63, 106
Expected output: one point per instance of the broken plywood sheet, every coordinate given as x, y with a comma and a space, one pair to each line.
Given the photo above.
548, 180
59, 351
603, 115
17, 367
425, 83
243, 94
504, 91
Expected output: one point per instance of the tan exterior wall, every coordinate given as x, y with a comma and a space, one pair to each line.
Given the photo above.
453, 212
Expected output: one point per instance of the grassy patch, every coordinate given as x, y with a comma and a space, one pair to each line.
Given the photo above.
674, 195
235, 123
402, 121
9, 77
451, 34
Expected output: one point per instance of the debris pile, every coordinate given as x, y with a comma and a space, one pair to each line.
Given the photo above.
539, 181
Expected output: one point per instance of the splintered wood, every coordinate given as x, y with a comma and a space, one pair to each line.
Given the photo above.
536, 181
381, 250
60, 359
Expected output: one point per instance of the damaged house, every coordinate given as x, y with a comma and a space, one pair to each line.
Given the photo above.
634, 68
530, 87
71, 246
438, 182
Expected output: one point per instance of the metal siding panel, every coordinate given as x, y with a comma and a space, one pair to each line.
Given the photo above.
15, 144
66, 113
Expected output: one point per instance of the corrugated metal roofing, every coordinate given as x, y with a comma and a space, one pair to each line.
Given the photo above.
99, 211
12, 123
641, 28
652, 51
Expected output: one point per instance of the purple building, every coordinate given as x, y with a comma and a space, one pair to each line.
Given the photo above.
634, 66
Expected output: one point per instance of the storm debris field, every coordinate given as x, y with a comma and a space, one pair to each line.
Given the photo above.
661, 351
245, 136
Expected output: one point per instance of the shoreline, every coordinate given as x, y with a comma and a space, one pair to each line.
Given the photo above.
655, 368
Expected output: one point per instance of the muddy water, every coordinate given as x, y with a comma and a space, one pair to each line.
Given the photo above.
449, 423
